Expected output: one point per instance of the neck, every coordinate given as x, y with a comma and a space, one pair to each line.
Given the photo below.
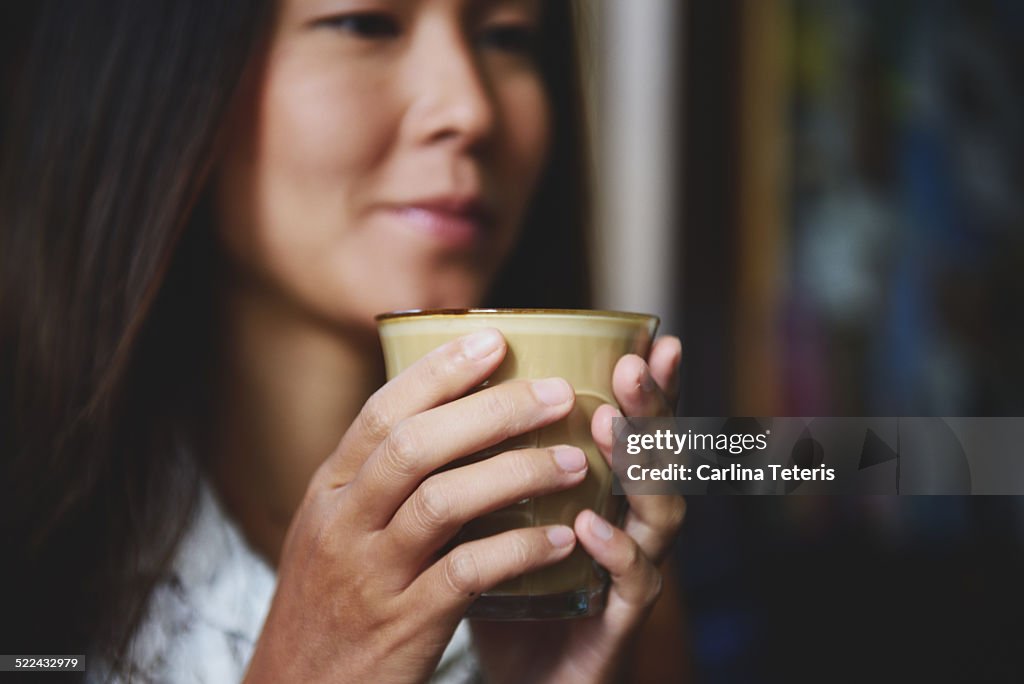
287, 386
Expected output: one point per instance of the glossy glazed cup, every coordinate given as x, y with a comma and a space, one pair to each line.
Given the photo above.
581, 346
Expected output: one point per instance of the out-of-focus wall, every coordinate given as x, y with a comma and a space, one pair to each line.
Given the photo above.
635, 94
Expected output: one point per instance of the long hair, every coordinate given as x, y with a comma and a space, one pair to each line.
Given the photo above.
548, 266
111, 128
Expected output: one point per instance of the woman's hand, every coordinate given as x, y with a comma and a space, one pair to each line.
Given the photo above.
595, 649
364, 593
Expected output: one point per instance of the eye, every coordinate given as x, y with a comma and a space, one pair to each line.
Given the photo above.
367, 25
518, 39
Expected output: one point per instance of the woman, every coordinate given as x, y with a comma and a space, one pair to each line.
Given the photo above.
204, 205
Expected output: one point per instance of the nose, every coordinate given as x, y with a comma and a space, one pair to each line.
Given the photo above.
451, 99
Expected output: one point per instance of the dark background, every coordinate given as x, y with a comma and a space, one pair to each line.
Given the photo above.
853, 244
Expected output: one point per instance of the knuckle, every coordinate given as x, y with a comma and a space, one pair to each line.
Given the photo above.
438, 367
375, 418
673, 515
501, 406
678, 514
402, 447
521, 552
318, 502
635, 559
432, 505
321, 479
524, 467
462, 573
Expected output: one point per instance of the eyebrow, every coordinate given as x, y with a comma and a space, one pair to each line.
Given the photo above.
533, 5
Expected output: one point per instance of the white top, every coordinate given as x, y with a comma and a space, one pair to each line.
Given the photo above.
204, 617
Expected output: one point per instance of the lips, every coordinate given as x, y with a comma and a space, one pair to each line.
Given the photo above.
450, 222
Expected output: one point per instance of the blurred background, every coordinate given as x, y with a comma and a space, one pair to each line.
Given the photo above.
825, 200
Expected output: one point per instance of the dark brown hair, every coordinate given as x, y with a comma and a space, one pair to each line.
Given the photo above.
548, 267
109, 132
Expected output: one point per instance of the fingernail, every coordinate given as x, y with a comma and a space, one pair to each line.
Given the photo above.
570, 459
560, 536
480, 345
599, 527
552, 391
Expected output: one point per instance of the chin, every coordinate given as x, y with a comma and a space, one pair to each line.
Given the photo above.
366, 291
372, 307
439, 293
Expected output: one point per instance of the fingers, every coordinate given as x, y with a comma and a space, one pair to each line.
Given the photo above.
635, 580
652, 520
421, 444
448, 500
645, 389
454, 581
649, 388
602, 429
663, 362
447, 372
636, 390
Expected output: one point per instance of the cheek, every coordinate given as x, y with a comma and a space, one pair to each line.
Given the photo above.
323, 133
292, 175
524, 141
527, 130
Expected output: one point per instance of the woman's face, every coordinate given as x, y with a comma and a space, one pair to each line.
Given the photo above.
384, 154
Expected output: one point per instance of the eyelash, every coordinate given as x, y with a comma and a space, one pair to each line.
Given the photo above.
520, 39
366, 25
512, 38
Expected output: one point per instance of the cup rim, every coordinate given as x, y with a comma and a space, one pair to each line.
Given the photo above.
599, 313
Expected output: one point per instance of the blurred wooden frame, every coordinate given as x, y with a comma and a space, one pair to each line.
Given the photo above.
763, 165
